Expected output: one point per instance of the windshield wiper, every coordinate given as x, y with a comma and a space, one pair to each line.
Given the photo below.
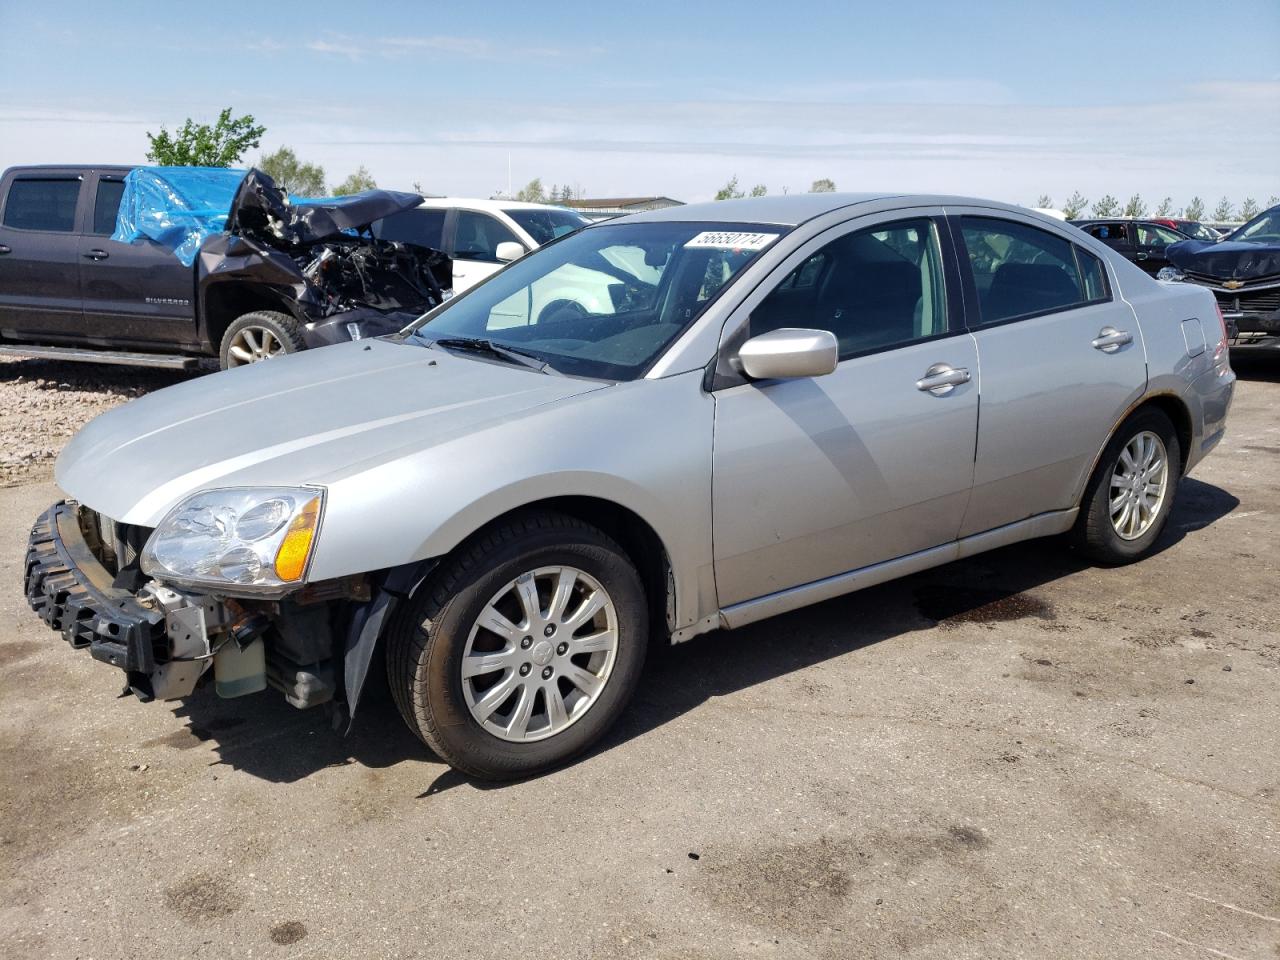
503, 352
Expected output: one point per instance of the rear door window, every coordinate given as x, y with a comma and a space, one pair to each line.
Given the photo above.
1115, 233
42, 204
422, 225
1020, 271
106, 204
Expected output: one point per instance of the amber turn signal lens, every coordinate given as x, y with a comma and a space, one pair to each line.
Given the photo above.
291, 558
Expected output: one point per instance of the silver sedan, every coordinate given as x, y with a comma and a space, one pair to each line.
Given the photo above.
658, 426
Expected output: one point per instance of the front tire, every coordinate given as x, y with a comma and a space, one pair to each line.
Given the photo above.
522, 649
1130, 495
257, 336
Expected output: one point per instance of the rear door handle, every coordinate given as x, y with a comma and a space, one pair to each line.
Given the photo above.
4, 249
1109, 339
96, 254
941, 378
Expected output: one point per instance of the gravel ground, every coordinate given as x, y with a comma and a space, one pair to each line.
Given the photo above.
1014, 756
44, 402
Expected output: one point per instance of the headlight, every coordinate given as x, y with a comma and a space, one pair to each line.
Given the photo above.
254, 539
1170, 274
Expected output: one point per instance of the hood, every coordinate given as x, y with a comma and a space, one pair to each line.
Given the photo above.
299, 419
262, 210
1227, 259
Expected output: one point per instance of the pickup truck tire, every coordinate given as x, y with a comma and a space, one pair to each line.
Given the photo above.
259, 335
553, 686
1130, 495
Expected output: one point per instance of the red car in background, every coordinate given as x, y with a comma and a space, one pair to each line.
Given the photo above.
1192, 228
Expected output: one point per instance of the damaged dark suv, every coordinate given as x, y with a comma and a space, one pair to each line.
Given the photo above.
189, 261
1243, 271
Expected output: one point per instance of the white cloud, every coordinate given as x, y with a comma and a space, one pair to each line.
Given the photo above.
1208, 139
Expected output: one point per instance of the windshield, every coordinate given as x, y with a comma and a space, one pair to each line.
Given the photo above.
547, 225
604, 302
1264, 228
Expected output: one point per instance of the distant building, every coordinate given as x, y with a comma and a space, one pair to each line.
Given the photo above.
609, 207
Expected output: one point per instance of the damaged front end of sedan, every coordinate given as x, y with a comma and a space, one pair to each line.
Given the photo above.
253, 247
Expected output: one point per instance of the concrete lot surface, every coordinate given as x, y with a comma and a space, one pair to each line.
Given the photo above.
1013, 756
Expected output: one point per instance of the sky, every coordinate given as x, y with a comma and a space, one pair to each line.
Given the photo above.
1006, 100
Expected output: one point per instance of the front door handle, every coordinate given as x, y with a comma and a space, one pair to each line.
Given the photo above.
1109, 339
941, 378
4, 249
1142, 255
96, 254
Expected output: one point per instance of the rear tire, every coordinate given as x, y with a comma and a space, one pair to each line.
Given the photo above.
1131, 493
548, 687
259, 335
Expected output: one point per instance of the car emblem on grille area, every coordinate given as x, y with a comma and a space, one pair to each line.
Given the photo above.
1233, 284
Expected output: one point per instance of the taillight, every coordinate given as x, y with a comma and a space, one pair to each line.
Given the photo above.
1221, 356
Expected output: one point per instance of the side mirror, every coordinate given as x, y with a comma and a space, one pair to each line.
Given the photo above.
789, 353
509, 250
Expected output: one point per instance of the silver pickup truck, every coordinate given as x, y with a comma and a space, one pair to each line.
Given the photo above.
784, 399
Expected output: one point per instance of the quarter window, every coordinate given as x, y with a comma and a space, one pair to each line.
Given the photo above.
874, 289
478, 235
1109, 232
1094, 277
106, 205
42, 205
1020, 271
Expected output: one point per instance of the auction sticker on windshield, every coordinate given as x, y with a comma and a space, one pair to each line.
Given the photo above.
717, 240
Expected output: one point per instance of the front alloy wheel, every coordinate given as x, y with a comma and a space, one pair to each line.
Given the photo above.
522, 648
540, 653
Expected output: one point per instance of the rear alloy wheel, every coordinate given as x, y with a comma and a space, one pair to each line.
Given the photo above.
522, 648
1131, 492
259, 336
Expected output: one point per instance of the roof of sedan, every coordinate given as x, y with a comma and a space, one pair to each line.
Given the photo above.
785, 210
793, 209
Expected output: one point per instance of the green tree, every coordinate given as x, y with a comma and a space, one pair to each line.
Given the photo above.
1223, 211
1272, 201
289, 173
759, 190
1108, 206
1165, 209
1044, 202
201, 145
730, 190
825, 185
1135, 207
1075, 205
1194, 210
358, 181
532, 192
1248, 209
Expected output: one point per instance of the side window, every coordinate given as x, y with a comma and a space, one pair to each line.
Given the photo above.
1112, 232
1150, 235
1094, 277
42, 205
421, 225
874, 289
478, 236
1020, 270
106, 204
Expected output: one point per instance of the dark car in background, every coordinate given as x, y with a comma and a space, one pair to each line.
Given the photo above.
1192, 228
1243, 271
1142, 241
245, 278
